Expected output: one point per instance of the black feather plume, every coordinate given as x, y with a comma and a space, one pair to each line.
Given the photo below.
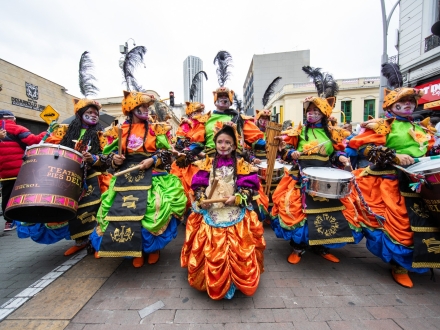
223, 60
86, 79
133, 58
331, 87
391, 71
238, 104
317, 76
195, 84
270, 90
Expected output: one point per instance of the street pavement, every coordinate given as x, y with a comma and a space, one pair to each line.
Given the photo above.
108, 293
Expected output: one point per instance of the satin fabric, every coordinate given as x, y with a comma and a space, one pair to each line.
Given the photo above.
185, 175
218, 258
165, 199
290, 220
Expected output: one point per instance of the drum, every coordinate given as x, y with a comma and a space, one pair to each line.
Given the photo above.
48, 185
328, 182
430, 192
278, 171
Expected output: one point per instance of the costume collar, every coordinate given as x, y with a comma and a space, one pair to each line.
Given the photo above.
390, 115
230, 112
312, 125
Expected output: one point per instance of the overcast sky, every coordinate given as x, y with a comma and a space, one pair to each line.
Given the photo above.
48, 38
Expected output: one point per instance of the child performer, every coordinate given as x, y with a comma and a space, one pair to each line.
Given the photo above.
224, 243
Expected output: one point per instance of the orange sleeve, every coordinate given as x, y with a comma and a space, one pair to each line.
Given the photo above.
251, 132
368, 137
339, 146
53, 139
198, 133
292, 140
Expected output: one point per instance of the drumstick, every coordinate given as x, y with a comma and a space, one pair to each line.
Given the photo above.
424, 159
214, 184
128, 170
215, 200
119, 141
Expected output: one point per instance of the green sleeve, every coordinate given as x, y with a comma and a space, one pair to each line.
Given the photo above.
162, 142
113, 147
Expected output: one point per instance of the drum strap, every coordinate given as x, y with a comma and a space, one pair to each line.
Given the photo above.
15, 138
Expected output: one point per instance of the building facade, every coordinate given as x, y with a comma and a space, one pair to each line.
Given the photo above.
357, 99
191, 66
265, 68
27, 94
419, 51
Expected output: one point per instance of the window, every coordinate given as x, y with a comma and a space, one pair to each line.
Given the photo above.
346, 109
369, 109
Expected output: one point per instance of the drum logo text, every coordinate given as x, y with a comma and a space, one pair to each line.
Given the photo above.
61, 174
433, 204
26, 185
122, 235
326, 225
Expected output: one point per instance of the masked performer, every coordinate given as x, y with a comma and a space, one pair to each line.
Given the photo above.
140, 211
299, 217
83, 134
404, 237
190, 138
224, 242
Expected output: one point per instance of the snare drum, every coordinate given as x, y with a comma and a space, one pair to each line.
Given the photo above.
48, 185
430, 192
278, 171
328, 182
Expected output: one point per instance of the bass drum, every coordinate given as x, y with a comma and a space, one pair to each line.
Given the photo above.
48, 185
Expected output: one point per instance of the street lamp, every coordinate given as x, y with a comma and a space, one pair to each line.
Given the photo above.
385, 24
123, 49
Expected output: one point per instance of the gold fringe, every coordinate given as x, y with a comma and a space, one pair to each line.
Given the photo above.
316, 157
161, 230
6, 179
90, 203
256, 197
330, 209
131, 188
122, 218
426, 264
116, 254
93, 175
84, 233
409, 194
425, 229
331, 240
370, 171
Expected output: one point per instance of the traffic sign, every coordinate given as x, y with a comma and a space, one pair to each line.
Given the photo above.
49, 114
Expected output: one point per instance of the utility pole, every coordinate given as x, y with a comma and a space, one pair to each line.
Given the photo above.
384, 58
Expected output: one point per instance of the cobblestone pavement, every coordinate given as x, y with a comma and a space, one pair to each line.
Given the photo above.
357, 293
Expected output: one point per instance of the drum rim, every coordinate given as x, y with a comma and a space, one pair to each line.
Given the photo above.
276, 162
425, 171
351, 178
56, 146
331, 196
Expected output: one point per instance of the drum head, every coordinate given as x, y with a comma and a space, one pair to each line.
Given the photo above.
327, 173
263, 164
426, 167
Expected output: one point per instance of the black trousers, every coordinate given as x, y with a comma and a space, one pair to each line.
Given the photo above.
7, 187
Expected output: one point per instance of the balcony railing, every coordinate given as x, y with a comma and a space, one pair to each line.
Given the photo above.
431, 42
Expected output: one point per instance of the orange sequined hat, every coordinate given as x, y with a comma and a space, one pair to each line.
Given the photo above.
134, 99
223, 91
262, 113
192, 107
392, 96
391, 71
326, 87
86, 84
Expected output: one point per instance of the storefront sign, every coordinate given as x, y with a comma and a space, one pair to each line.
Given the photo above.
432, 91
31, 103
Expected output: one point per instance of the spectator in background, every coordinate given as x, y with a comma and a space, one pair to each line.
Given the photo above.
14, 139
417, 118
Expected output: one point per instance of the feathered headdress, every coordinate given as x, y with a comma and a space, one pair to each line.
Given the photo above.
192, 107
391, 71
326, 87
86, 84
133, 58
238, 104
223, 60
266, 96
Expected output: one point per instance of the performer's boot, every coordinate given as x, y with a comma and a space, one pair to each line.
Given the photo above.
294, 258
75, 249
400, 275
138, 262
97, 255
153, 257
323, 252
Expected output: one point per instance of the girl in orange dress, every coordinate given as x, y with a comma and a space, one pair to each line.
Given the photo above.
224, 242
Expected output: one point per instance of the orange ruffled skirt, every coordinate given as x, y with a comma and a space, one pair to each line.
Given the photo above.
217, 258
